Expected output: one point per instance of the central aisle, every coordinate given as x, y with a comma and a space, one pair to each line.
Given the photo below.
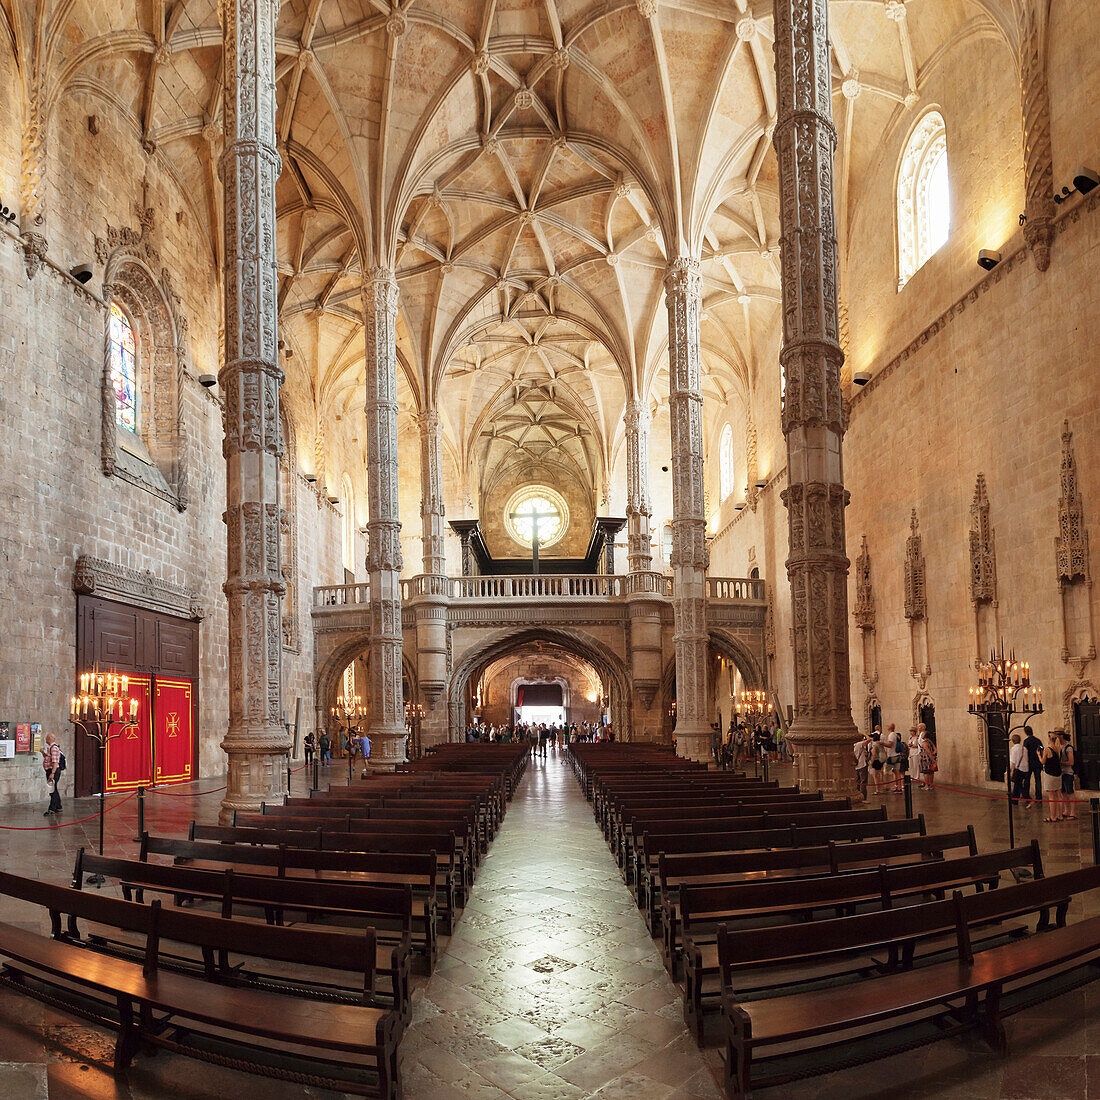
551, 986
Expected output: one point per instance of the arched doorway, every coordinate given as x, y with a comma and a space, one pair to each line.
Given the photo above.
601, 689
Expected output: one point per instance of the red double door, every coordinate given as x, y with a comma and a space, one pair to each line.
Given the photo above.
159, 654
161, 747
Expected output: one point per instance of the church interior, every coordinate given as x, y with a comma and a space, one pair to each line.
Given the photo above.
710, 383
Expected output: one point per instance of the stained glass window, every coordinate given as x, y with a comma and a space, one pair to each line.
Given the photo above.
924, 196
124, 368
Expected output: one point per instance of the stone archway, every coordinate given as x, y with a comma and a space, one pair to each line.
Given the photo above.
327, 677
607, 663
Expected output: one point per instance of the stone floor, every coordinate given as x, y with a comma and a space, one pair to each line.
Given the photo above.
551, 986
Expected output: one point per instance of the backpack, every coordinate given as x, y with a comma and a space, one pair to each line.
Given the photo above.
62, 763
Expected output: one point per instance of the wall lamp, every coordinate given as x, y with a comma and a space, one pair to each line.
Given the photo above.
311, 478
6, 214
988, 259
1084, 181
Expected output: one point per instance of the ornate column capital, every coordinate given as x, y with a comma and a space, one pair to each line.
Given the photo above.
682, 276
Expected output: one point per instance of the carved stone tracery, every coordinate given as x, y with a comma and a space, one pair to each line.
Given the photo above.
983, 555
638, 511
689, 554
432, 510
1038, 153
916, 604
384, 561
864, 613
1071, 551
256, 741
813, 408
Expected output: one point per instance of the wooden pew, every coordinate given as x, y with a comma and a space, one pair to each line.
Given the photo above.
770, 1041
713, 869
275, 896
704, 908
201, 1013
313, 866
451, 869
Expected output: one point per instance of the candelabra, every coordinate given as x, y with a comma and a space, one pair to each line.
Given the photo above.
753, 706
1005, 690
349, 712
102, 703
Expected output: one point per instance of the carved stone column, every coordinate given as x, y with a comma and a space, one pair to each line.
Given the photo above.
813, 406
1038, 155
387, 729
431, 493
32, 183
256, 741
638, 511
689, 553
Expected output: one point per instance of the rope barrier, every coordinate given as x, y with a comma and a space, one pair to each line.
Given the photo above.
1000, 796
200, 794
66, 824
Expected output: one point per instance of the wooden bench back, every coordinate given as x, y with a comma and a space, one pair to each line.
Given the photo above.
324, 837
710, 902
728, 819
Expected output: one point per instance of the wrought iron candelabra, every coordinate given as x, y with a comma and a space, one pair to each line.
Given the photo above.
103, 703
349, 712
1005, 690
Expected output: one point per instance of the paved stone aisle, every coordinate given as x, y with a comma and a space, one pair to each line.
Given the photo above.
551, 986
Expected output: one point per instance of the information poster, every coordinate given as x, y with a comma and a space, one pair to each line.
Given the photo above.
36, 737
23, 737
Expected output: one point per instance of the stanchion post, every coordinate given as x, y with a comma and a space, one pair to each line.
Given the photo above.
316, 769
141, 814
288, 775
1094, 805
907, 787
764, 754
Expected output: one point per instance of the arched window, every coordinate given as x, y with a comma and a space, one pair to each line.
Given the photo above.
924, 196
725, 462
124, 368
348, 494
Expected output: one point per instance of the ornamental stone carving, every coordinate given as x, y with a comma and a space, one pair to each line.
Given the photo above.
647, 9
916, 604
864, 613
983, 555
32, 182
1071, 545
256, 741
813, 407
638, 512
110, 581
432, 509
1038, 154
683, 288
384, 560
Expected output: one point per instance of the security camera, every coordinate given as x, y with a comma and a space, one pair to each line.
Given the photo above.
82, 273
861, 377
988, 258
311, 478
208, 380
1085, 180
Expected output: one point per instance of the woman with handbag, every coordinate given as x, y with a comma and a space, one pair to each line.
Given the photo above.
929, 763
1052, 777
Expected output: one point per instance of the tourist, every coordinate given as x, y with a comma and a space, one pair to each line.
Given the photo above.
1034, 748
1017, 766
876, 758
325, 745
53, 764
914, 753
310, 747
1066, 759
364, 747
862, 750
929, 758
1052, 777
891, 773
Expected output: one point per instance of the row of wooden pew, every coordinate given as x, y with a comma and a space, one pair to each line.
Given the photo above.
774, 906
282, 944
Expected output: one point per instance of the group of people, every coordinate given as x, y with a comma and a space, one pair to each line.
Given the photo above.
320, 745
884, 759
744, 741
541, 736
1052, 765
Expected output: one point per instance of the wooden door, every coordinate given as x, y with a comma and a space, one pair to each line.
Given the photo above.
160, 654
1086, 742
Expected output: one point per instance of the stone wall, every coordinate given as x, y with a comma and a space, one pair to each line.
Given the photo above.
53, 489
